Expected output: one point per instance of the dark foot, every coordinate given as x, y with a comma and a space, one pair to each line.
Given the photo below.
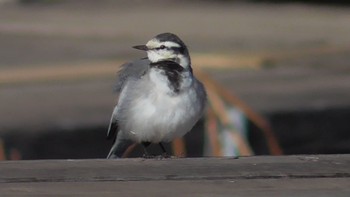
158, 157
166, 155
147, 156
163, 156
163, 149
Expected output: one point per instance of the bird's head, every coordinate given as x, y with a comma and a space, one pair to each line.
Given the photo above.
167, 47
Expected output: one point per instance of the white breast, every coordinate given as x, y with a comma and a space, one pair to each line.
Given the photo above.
160, 115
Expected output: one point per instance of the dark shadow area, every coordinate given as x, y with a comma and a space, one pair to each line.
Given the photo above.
307, 132
302, 132
60, 144
85, 143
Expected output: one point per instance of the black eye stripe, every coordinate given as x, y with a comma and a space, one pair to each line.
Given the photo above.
161, 47
178, 49
175, 49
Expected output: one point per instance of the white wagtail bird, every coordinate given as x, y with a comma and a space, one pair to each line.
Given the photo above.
159, 97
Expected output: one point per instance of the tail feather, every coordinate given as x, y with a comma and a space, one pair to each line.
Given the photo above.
113, 125
112, 130
118, 148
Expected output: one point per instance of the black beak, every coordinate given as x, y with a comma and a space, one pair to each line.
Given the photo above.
141, 47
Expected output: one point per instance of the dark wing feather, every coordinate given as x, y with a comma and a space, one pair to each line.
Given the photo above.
130, 70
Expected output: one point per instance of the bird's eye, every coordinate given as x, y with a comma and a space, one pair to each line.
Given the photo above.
162, 47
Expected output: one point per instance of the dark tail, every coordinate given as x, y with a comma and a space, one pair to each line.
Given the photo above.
118, 148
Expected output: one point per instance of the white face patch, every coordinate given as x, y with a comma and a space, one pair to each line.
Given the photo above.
156, 56
156, 53
154, 43
170, 44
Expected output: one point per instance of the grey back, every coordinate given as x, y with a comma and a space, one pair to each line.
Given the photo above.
131, 70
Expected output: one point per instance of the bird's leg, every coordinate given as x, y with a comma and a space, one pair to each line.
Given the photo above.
165, 154
145, 152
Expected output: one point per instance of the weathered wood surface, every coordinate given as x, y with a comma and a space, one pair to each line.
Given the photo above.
312, 175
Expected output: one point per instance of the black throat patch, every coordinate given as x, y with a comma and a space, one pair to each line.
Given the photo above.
173, 72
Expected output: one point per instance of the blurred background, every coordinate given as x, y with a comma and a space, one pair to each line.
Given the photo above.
277, 74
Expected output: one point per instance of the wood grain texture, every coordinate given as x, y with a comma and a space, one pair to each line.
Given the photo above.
313, 175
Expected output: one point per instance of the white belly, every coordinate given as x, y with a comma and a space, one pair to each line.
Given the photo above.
160, 117
163, 118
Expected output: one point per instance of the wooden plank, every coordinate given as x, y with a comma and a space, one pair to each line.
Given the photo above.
328, 166
313, 175
204, 188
